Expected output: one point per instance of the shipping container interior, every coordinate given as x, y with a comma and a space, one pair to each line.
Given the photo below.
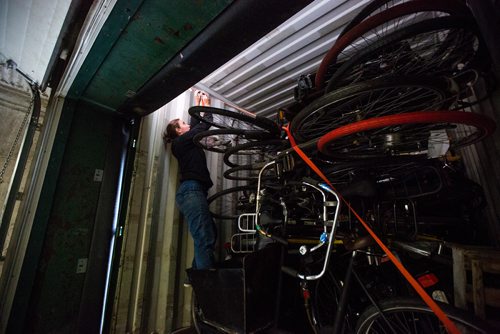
352, 149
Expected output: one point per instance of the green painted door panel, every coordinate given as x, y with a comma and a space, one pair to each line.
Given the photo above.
137, 39
56, 296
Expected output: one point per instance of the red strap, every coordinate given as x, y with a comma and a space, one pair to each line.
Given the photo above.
450, 326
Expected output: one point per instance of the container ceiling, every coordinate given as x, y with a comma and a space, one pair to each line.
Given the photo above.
261, 78
147, 52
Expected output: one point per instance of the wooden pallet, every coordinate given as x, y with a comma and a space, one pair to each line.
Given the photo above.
478, 261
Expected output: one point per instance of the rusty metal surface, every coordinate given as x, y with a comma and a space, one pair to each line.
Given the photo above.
137, 39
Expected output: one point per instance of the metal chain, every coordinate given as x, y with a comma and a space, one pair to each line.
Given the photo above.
18, 136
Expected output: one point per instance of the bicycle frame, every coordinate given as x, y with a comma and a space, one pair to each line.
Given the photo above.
327, 237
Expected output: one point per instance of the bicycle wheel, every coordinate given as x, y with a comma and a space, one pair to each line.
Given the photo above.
416, 133
195, 313
368, 99
372, 8
380, 170
440, 46
230, 203
226, 119
254, 152
200, 324
248, 172
326, 298
220, 140
410, 315
375, 28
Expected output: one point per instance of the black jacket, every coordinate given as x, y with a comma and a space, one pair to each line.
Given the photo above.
192, 160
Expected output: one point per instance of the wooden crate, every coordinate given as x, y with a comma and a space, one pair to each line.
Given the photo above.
478, 261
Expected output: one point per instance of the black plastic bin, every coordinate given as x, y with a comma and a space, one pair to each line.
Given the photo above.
242, 297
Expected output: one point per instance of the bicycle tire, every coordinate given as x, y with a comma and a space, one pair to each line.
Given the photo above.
220, 140
407, 52
228, 208
343, 173
372, 98
201, 325
412, 182
327, 293
400, 310
195, 313
380, 22
225, 119
254, 152
372, 7
387, 137
245, 172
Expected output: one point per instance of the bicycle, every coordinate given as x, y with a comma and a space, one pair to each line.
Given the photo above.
390, 113
364, 32
393, 306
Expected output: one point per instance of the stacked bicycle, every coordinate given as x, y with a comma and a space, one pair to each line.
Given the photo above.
363, 173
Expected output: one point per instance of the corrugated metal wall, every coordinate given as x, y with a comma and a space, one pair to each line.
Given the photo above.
28, 32
261, 79
157, 247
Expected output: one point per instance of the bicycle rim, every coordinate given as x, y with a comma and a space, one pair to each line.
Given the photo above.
440, 46
254, 152
368, 99
230, 203
343, 173
195, 313
416, 133
248, 173
382, 24
220, 140
407, 315
326, 298
226, 119
372, 8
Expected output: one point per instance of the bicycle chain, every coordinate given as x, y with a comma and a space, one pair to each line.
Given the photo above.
18, 136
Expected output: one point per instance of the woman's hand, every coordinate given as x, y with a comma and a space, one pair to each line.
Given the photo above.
201, 98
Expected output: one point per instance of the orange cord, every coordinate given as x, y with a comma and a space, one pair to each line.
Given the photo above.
450, 326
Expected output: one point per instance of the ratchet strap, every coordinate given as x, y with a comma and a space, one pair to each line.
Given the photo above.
450, 326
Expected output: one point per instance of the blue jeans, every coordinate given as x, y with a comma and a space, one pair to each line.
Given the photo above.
191, 198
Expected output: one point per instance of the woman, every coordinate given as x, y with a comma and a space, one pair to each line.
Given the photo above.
191, 197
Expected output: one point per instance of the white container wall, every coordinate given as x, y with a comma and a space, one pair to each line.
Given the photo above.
157, 247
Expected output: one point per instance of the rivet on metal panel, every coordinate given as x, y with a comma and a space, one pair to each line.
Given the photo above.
129, 93
81, 266
98, 173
